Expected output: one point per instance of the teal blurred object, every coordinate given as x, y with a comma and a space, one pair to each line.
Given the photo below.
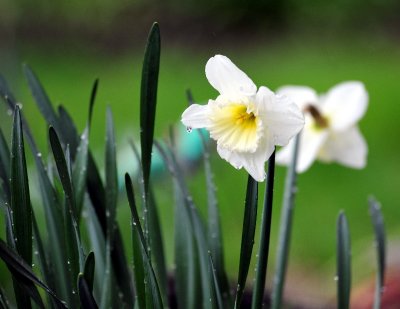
189, 147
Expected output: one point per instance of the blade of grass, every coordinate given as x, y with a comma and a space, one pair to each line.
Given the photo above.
262, 263
155, 242
285, 229
74, 247
85, 294
88, 271
187, 275
111, 203
20, 205
380, 241
148, 99
153, 295
41, 98
343, 262
216, 292
197, 226
23, 271
5, 167
248, 232
4, 302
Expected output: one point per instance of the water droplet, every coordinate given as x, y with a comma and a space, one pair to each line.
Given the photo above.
39, 154
336, 278
68, 262
9, 112
20, 105
189, 129
33, 264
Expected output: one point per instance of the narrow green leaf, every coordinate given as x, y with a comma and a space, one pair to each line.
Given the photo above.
343, 262
197, 225
5, 167
79, 172
154, 239
4, 303
248, 232
21, 206
92, 100
23, 271
216, 292
380, 242
88, 271
148, 99
262, 263
20, 198
152, 293
187, 275
85, 293
5, 91
121, 270
41, 98
285, 228
111, 175
68, 134
214, 228
74, 248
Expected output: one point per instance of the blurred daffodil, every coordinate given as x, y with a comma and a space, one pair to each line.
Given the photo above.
246, 123
330, 132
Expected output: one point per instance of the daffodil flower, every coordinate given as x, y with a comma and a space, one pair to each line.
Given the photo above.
330, 132
246, 123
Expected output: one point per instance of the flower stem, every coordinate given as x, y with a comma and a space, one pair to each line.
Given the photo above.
285, 229
261, 270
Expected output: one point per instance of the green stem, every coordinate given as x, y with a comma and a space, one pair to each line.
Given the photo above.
261, 270
285, 229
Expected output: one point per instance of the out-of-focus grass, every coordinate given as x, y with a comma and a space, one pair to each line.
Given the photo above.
323, 190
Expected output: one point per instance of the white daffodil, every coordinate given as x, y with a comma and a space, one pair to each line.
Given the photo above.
246, 123
330, 132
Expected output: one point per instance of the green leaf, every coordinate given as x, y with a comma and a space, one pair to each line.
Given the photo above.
41, 98
85, 293
248, 232
79, 172
20, 198
263, 251
121, 270
154, 239
23, 272
5, 167
148, 99
88, 271
187, 275
111, 175
216, 292
74, 248
69, 133
4, 303
214, 228
152, 292
196, 222
343, 262
380, 242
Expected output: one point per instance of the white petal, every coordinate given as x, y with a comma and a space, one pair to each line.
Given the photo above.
301, 95
227, 78
282, 118
348, 148
253, 163
311, 141
196, 116
345, 104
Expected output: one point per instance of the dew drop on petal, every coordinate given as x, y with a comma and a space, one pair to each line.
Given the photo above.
189, 129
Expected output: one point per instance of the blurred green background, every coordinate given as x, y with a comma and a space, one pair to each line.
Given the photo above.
314, 43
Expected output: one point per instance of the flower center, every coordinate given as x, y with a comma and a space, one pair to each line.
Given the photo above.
321, 122
235, 128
